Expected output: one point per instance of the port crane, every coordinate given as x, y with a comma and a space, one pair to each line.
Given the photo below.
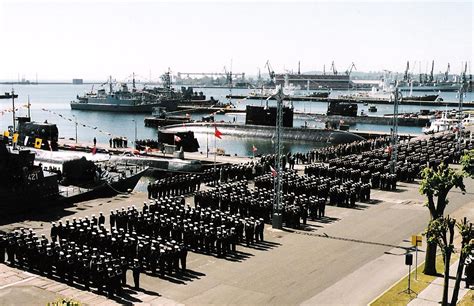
228, 75
333, 68
463, 74
349, 71
446, 74
405, 76
271, 72
431, 79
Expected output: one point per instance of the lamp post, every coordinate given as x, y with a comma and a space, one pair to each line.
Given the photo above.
135, 143
75, 123
277, 217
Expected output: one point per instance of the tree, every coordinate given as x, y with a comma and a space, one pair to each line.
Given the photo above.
437, 232
467, 162
467, 246
436, 184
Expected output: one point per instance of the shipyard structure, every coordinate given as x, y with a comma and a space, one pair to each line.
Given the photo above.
314, 81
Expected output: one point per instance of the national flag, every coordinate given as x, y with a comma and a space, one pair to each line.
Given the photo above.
177, 138
274, 172
38, 142
94, 150
15, 138
254, 149
217, 133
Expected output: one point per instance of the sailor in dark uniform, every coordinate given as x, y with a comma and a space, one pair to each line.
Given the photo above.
136, 273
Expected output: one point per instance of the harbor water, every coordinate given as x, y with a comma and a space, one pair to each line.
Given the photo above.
51, 103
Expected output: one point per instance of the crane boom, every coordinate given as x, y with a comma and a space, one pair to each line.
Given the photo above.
431, 73
271, 72
446, 74
333, 68
349, 71
405, 76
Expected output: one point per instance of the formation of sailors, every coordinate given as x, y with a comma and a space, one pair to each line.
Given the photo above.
155, 238
118, 142
68, 260
356, 147
174, 185
142, 144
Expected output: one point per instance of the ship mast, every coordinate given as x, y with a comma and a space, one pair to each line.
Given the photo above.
29, 105
133, 83
13, 110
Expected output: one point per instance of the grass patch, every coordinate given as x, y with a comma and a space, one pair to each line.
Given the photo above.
468, 299
396, 296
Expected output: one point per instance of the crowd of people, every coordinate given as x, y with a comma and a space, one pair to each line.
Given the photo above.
118, 142
154, 239
174, 185
143, 144
157, 237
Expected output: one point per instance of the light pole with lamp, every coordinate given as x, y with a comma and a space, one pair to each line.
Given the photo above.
135, 143
75, 123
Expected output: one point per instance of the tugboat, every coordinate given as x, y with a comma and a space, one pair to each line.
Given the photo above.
342, 109
319, 94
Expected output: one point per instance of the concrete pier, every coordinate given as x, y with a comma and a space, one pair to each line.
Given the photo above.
359, 100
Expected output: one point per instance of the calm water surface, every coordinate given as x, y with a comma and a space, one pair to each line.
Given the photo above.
56, 98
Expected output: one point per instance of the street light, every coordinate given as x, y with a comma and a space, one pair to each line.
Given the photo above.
135, 144
75, 122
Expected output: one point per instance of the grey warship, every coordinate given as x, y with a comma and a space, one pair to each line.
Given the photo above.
141, 101
123, 100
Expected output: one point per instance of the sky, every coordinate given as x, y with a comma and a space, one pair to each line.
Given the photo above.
60, 40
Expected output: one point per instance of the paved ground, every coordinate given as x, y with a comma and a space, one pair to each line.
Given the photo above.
348, 258
433, 294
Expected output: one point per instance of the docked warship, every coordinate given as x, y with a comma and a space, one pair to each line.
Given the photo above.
140, 101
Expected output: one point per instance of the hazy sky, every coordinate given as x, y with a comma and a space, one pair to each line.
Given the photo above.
93, 39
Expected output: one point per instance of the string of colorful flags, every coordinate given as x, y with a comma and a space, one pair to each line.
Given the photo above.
73, 120
10, 110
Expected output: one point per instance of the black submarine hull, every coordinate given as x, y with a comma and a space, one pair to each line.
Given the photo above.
326, 136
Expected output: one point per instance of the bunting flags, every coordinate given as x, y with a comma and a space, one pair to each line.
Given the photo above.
38, 142
217, 133
78, 123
